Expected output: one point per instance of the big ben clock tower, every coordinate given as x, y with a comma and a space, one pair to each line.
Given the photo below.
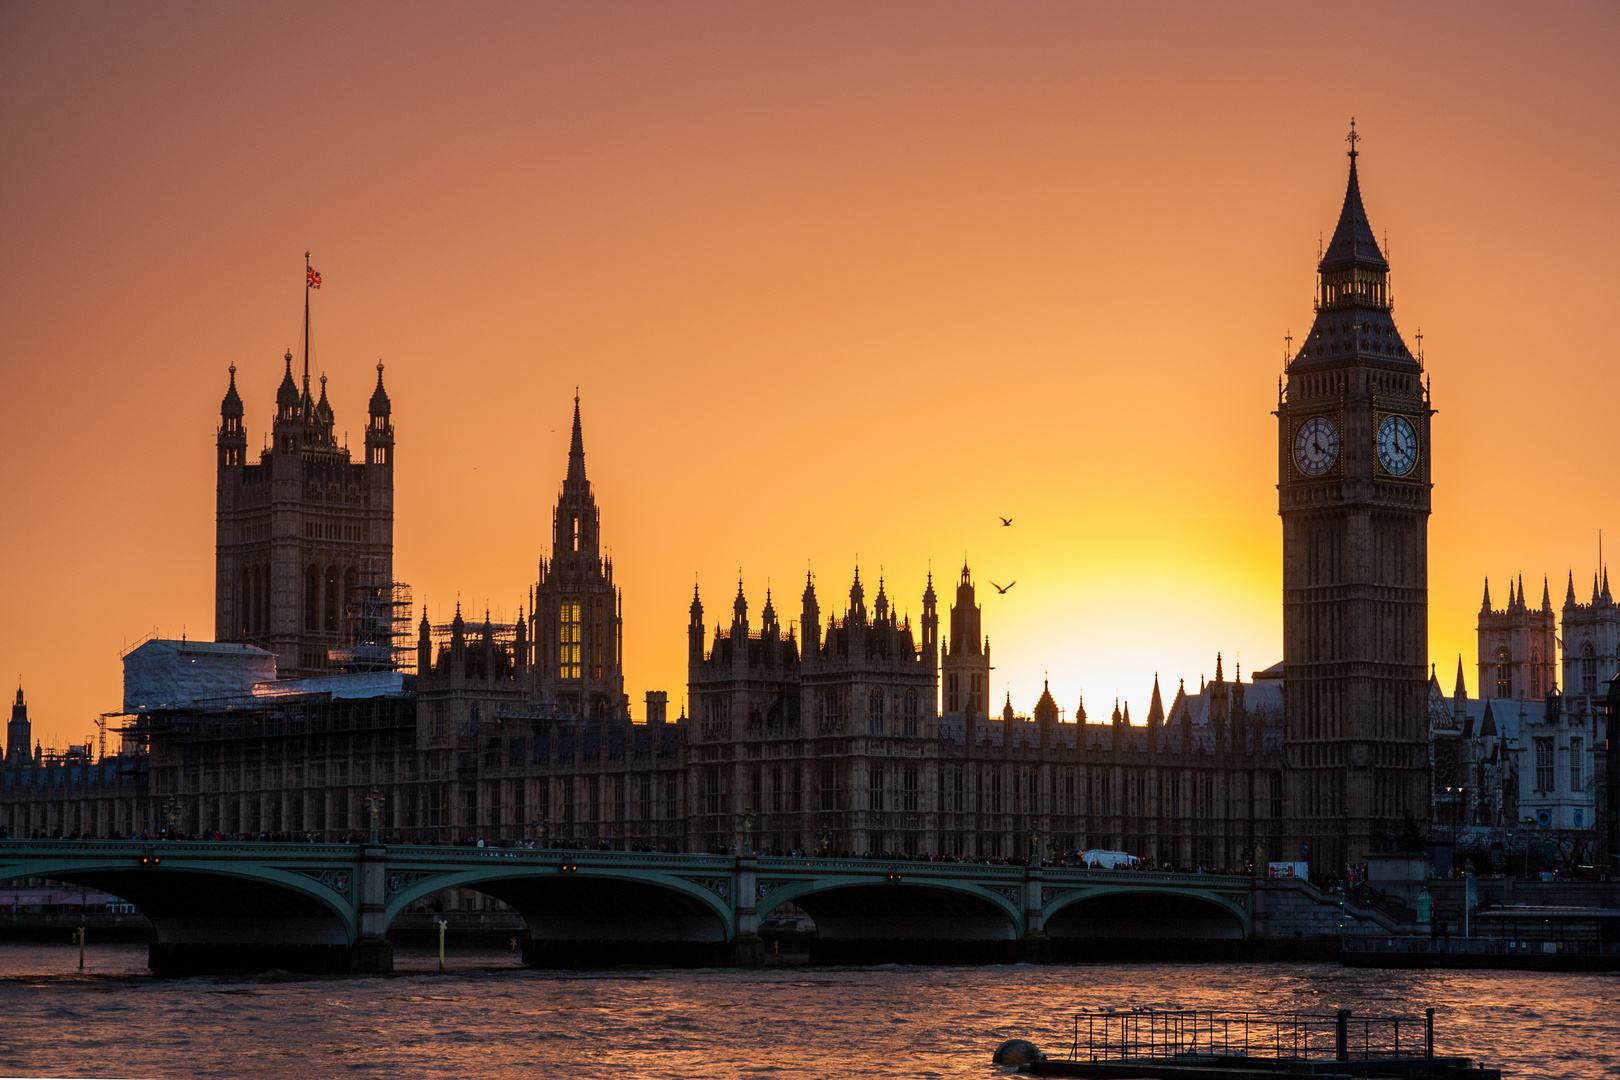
1353, 492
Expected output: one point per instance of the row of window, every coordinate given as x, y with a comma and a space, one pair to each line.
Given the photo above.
1587, 669
954, 699
1074, 791
574, 654
332, 530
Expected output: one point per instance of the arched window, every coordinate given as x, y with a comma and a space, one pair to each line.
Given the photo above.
576, 532
569, 638
597, 623
1504, 673
312, 598
875, 703
1588, 668
264, 599
911, 713
330, 623
1535, 673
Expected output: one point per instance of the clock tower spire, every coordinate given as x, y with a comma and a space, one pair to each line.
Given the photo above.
1353, 493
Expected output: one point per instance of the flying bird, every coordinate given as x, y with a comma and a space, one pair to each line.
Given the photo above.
1006, 521
1003, 589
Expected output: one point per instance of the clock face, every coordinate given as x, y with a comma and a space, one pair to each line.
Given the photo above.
1316, 446
1397, 445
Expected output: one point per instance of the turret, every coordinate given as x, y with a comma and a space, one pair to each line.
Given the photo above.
1155, 715
1046, 715
380, 427
930, 619
287, 435
811, 618
520, 646
19, 732
768, 626
857, 600
424, 646
739, 616
694, 630
322, 419
232, 438
287, 396
1459, 696
458, 637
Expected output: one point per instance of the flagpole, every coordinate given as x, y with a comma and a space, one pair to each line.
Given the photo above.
306, 329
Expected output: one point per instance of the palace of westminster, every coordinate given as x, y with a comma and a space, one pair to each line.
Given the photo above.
322, 701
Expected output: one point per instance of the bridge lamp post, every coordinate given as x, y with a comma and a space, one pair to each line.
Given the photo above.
826, 841
171, 812
542, 828
374, 803
748, 830
1035, 835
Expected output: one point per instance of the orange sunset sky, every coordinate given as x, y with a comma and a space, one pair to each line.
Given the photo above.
835, 281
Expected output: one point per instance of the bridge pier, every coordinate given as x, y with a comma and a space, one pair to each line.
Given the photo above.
374, 953
747, 947
1037, 947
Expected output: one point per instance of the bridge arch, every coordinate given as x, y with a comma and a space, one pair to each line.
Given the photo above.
210, 915
1144, 920
592, 915
921, 919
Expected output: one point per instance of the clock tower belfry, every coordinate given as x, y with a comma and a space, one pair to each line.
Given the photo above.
1353, 492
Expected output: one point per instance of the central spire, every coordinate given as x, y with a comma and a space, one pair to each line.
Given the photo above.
576, 448
1353, 243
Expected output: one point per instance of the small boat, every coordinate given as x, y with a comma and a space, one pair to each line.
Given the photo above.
1218, 1044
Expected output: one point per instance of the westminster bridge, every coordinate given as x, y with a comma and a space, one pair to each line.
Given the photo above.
223, 906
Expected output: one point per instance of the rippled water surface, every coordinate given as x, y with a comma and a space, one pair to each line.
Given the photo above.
488, 1018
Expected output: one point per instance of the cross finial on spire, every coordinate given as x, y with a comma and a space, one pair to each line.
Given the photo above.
1352, 139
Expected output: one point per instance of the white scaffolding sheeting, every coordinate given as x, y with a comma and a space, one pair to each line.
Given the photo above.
172, 674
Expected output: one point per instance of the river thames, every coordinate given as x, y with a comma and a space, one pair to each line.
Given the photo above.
489, 1018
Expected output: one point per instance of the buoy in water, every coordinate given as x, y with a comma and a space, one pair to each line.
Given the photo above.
1017, 1052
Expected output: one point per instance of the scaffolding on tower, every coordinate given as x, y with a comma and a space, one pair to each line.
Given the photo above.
377, 623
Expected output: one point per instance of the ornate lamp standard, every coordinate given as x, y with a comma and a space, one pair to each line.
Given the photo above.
1035, 834
171, 813
826, 841
374, 804
748, 830
542, 828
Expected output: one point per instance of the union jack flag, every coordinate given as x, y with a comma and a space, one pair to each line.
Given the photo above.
314, 279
